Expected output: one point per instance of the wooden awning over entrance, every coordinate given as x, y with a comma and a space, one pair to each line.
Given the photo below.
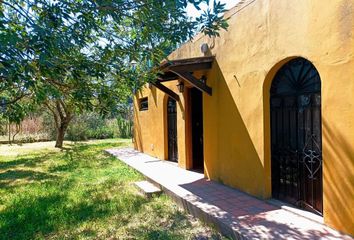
183, 69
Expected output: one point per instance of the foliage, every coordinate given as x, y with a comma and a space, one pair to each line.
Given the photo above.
81, 50
85, 126
125, 127
214, 20
93, 126
49, 125
74, 55
82, 124
3, 125
82, 193
11, 122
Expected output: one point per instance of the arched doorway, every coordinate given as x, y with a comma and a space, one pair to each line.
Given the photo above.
172, 130
296, 136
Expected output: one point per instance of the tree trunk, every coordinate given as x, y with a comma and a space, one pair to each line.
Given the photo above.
62, 115
18, 130
60, 134
9, 132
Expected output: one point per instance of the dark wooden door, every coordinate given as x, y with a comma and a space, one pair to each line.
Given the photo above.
197, 129
172, 130
296, 136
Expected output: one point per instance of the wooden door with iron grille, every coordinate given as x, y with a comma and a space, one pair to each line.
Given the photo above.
172, 130
296, 136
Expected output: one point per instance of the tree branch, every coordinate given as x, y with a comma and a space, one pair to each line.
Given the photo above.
58, 107
16, 99
54, 114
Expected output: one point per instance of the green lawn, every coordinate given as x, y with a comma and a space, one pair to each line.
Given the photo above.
83, 193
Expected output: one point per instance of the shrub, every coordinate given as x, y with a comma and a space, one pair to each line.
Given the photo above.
83, 127
92, 126
49, 126
125, 127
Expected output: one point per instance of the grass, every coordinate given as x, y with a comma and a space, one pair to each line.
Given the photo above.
83, 193
24, 137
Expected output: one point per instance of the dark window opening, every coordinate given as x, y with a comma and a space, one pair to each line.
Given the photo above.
143, 104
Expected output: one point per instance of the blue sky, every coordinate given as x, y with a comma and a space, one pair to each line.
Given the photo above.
192, 12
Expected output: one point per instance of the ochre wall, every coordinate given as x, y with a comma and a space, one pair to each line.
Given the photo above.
263, 35
150, 127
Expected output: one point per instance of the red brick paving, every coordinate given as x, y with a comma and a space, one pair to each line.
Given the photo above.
235, 213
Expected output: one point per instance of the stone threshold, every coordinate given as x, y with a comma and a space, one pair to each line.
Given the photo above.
303, 213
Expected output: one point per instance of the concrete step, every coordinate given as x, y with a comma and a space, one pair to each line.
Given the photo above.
148, 189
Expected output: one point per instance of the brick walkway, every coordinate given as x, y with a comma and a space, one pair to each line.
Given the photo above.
233, 212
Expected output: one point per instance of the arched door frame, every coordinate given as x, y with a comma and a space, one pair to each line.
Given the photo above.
267, 122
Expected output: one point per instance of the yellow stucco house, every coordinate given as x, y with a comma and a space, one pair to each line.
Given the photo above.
267, 108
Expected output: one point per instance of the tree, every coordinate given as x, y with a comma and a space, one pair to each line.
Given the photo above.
14, 114
74, 55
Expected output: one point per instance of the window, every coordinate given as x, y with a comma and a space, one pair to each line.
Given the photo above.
143, 104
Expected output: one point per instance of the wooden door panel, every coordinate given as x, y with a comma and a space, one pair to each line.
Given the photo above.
296, 136
197, 129
172, 130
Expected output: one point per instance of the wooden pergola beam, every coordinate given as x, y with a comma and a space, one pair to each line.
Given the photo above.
190, 67
182, 69
167, 76
166, 90
187, 76
191, 64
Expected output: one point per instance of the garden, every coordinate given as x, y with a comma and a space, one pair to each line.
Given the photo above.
80, 192
69, 73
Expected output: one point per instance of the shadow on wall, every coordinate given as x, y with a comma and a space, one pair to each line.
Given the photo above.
338, 178
180, 104
237, 163
154, 94
153, 112
266, 120
338, 171
165, 131
137, 130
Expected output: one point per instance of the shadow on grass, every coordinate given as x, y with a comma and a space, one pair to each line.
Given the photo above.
58, 204
31, 216
20, 171
76, 157
27, 216
12, 179
82, 146
175, 225
13, 175
26, 161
